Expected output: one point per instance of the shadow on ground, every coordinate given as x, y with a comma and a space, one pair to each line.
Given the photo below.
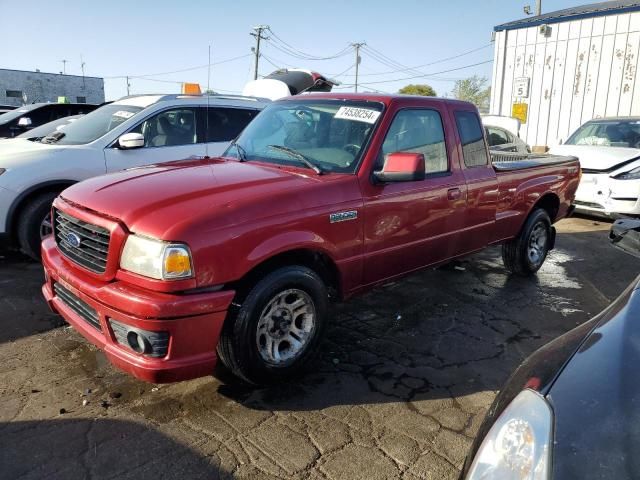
111, 449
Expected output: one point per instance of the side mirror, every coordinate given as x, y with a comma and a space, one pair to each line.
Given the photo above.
131, 140
25, 122
625, 235
401, 167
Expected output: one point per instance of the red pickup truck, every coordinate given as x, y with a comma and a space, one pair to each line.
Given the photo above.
168, 268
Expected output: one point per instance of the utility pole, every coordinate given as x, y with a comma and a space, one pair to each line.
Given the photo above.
258, 34
82, 68
64, 67
538, 7
128, 85
357, 48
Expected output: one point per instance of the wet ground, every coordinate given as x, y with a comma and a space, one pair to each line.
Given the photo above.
406, 374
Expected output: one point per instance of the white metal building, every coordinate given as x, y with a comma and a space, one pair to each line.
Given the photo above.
560, 69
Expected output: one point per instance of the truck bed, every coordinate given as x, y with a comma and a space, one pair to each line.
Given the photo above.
506, 161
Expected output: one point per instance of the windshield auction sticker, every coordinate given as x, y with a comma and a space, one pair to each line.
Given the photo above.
123, 114
357, 114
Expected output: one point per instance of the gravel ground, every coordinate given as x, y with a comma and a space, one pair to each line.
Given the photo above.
406, 374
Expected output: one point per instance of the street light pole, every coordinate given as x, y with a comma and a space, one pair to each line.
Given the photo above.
258, 34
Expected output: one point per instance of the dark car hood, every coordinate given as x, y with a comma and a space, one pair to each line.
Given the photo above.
596, 399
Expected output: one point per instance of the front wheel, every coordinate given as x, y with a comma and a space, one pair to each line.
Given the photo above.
276, 330
525, 254
35, 224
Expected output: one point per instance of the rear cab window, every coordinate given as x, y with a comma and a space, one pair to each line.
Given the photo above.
474, 150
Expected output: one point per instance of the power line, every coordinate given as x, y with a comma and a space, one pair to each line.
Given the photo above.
424, 75
442, 60
290, 50
188, 69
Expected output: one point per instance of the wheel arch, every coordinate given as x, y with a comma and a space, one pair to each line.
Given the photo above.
316, 259
23, 199
549, 202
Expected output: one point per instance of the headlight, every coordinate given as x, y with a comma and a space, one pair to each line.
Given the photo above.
518, 445
156, 259
630, 175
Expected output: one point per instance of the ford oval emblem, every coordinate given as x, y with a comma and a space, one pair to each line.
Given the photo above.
73, 240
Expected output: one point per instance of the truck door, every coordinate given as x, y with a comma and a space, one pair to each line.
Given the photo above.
481, 180
172, 134
412, 224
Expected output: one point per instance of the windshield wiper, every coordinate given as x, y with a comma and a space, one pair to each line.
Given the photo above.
242, 153
53, 138
299, 156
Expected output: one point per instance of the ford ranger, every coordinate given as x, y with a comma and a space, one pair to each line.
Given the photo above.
169, 268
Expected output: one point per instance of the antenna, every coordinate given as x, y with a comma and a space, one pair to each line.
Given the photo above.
206, 133
82, 64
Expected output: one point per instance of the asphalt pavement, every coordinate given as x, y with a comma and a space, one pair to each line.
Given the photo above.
405, 376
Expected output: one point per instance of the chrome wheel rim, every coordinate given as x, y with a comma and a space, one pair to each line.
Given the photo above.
285, 327
537, 248
46, 226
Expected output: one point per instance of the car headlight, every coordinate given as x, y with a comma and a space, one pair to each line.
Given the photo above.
156, 259
518, 445
630, 175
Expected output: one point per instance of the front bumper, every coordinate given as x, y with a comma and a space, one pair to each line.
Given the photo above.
193, 321
602, 194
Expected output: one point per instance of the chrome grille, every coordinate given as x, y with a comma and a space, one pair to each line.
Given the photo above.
83, 309
91, 245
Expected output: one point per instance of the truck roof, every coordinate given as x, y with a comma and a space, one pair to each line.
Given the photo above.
385, 98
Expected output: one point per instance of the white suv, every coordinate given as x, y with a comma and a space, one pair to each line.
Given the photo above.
130, 132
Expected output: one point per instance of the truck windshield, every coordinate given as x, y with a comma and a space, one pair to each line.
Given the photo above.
94, 125
331, 134
608, 133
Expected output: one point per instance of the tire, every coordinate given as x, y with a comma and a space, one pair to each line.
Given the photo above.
254, 339
525, 254
31, 221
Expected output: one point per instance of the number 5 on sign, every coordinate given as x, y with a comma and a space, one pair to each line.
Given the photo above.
519, 111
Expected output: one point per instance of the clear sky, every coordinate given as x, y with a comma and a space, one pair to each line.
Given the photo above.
136, 38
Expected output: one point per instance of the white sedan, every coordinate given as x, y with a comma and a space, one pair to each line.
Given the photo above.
609, 153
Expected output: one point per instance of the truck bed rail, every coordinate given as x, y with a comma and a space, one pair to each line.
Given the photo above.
505, 161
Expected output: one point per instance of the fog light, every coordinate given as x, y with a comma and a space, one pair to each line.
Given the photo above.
144, 342
138, 343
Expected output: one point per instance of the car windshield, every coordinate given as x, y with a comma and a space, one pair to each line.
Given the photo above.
608, 133
48, 128
18, 112
96, 124
329, 134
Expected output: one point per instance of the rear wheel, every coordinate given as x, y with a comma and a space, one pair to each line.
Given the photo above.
276, 330
525, 254
35, 224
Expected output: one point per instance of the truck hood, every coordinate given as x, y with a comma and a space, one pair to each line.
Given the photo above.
165, 200
596, 397
594, 157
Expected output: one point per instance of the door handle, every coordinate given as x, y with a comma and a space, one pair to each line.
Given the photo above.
454, 193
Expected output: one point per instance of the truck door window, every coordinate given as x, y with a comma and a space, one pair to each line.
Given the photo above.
417, 131
225, 124
169, 128
473, 147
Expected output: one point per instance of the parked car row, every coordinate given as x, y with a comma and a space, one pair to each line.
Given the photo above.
22, 119
131, 132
